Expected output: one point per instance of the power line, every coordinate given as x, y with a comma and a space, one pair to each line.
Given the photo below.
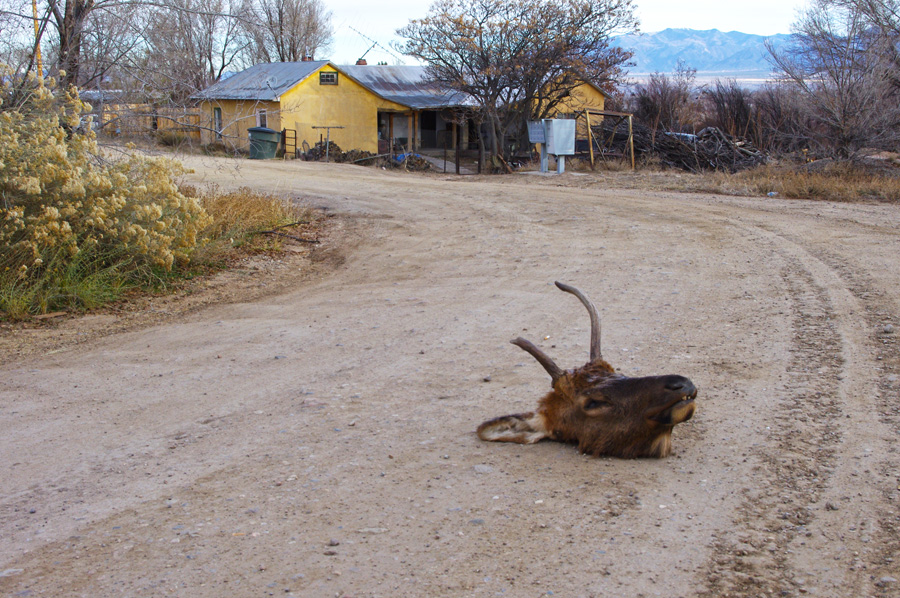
374, 42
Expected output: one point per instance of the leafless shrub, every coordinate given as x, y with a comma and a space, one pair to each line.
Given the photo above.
666, 103
730, 108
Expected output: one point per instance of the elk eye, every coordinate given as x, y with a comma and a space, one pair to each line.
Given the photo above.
594, 404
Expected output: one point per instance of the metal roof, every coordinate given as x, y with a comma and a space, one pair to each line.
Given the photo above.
407, 85
261, 82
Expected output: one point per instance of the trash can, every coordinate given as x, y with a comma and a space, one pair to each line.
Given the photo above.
263, 143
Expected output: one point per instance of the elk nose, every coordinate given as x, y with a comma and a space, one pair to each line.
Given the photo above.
680, 384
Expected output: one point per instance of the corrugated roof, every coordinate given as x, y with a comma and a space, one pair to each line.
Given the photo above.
261, 82
405, 85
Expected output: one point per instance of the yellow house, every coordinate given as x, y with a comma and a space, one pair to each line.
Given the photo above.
377, 109
371, 108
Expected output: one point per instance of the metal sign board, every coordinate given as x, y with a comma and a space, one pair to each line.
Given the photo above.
535, 131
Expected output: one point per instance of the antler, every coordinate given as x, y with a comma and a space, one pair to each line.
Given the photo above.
595, 319
552, 369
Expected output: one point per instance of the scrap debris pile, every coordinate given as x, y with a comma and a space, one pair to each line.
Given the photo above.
412, 162
710, 149
355, 156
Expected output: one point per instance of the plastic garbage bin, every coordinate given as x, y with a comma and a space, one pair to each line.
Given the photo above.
263, 143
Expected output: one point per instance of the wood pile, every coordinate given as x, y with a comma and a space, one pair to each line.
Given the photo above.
710, 149
335, 153
317, 152
358, 156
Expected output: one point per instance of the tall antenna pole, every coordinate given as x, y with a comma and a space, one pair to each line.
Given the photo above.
37, 40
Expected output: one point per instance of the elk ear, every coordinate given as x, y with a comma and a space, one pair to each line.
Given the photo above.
524, 428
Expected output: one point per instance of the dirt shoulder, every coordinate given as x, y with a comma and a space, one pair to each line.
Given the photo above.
319, 440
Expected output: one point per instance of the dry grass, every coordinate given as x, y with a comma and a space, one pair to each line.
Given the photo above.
245, 212
241, 221
837, 181
833, 182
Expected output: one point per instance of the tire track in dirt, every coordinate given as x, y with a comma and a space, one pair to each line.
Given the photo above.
878, 312
752, 559
795, 520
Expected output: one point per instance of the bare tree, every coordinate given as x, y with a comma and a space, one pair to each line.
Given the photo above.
112, 35
184, 43
288, 30
885, 16
845, 70
69, 18
190, 44
782, 120
519, 57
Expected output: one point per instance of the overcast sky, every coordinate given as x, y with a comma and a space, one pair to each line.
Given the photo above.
356, 22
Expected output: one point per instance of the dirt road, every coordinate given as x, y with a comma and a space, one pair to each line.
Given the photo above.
321, 442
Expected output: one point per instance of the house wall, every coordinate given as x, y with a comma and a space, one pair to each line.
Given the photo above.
237, 117
347, 104
582, 97
306, 105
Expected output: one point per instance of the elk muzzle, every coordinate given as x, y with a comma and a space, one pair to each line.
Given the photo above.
679, 402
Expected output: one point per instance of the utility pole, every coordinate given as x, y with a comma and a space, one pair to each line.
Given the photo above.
37, 40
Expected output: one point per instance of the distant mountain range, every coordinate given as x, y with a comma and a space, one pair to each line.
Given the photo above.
713, 53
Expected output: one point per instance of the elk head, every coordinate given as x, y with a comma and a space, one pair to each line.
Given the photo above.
600, 410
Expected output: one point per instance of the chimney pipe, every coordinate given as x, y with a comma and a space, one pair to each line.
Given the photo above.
361, 62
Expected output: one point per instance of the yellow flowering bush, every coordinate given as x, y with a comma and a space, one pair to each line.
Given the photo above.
59, 195
57, 191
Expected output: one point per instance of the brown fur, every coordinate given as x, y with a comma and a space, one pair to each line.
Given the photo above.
599, 410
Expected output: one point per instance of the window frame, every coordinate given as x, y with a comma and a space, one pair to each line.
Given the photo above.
217, 122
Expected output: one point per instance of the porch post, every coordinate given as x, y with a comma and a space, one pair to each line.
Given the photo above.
587, 118
391, 134
458, 144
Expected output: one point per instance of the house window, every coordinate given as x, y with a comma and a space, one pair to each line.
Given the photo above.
217, 123
261, 118
328, 78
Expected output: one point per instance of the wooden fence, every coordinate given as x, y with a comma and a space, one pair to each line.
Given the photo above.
133, 120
